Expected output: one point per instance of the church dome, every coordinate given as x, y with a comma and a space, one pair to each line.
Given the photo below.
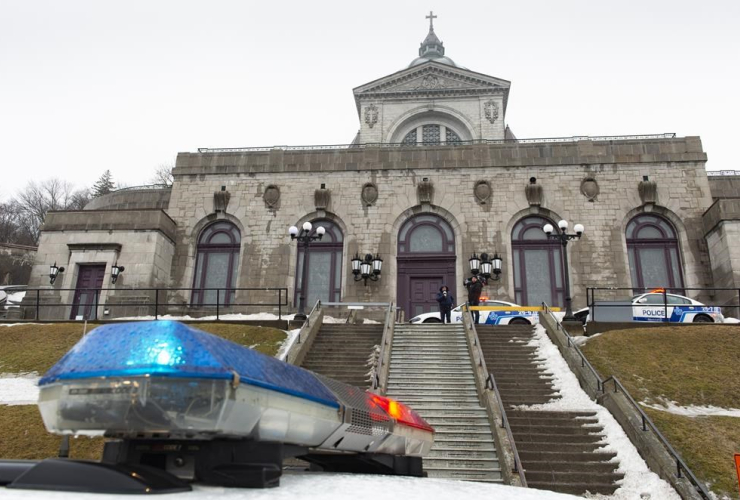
432, 48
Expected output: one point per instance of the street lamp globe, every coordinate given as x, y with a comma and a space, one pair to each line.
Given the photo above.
563, 224
548, 229
293, 231
320, 230
578, 228
307, 226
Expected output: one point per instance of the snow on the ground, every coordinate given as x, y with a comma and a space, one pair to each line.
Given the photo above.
732, 320
232, 317
638, 479
287, 344
693, 411
16, 297
319, 486
19, 389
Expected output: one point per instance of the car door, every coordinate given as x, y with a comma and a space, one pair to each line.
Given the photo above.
650, 307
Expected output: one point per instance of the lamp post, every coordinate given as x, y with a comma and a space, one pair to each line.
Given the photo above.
485, 266
564, 239
368, 268
304, 237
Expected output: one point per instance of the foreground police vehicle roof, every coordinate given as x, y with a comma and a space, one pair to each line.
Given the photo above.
186, 405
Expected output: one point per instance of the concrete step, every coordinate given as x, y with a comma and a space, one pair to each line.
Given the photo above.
564, 456
465, 435
442, 409
556, 447
482, 475
429, 382
574, 489
572, 477
552, 414
469, 454
554, 429
527, 421
460, 376
550, 438
566, 466
461, 463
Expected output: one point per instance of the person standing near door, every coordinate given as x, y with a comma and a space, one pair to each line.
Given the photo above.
446, 302
475, 287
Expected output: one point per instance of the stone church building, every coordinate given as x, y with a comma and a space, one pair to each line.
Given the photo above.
433, 176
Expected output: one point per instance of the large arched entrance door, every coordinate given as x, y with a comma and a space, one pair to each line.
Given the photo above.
538, 264
426, 261
216, 264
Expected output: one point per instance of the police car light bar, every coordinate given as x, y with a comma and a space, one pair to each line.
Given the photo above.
205, 409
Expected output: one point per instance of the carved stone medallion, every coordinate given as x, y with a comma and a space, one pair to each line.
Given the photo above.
322, 198
482, 191
425, 191
221, 200
648, 191
430, 82
590, 188
271, 196
533, 192
369, 194
371, 115
490, 108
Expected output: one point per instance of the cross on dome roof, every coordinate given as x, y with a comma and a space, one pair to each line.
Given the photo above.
432, 48
431, 18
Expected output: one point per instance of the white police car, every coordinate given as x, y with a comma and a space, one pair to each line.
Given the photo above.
486, 317
653, 306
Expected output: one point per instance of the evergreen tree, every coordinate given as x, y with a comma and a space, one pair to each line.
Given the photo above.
104, 185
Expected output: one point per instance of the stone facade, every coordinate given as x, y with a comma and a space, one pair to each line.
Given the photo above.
482, 183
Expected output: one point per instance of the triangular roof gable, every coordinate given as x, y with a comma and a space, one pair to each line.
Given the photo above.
433, 79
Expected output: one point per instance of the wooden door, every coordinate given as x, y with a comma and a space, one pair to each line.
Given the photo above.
87, 292
423, 294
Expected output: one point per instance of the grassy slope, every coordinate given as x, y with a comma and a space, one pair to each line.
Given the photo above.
689, 365
35, 348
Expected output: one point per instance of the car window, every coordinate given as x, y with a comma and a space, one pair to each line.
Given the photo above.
494, 303
675, 299
654, 298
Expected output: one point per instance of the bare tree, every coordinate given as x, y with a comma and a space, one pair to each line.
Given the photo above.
163, 175
38, 198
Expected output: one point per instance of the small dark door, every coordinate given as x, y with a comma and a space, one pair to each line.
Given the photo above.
89, 283
423, 294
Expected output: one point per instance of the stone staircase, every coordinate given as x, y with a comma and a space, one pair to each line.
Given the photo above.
344, 352
430, 371
557, 449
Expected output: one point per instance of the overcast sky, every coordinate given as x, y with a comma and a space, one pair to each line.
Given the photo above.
87, 86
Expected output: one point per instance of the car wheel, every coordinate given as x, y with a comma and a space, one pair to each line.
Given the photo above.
703, 318
519, 321
431, 320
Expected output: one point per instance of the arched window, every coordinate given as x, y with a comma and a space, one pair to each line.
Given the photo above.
426, 234
432, 135
538, 264
652, 248
216, 264
324, 265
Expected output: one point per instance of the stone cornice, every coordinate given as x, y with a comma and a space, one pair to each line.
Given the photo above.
585, 152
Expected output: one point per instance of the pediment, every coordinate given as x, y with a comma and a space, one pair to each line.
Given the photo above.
432, 78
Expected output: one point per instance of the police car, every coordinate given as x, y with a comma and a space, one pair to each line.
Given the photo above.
486, 317
653, 306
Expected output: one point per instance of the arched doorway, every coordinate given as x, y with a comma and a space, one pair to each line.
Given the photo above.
324, 266
653, 253
426, 261
538, 264
216, 264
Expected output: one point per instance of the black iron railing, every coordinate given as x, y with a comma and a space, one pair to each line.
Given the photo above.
226, 299
647, 423
666, 302
320, 147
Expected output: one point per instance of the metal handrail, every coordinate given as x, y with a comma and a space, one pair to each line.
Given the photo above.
584, 361
646, 421
282, 293
504, 420
384, 343
320, 147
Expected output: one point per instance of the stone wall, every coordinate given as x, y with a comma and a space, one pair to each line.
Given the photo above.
142, 241
725, 186
15, 263
268, 258
722, 229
